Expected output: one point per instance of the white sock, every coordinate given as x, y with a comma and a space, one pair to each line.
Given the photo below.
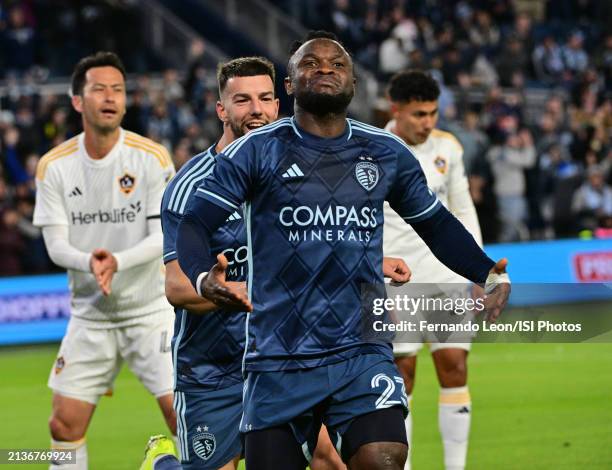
454, 417
79, 446
408, 424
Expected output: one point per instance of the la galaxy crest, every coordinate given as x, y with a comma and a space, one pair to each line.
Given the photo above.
204, 443
127, 183
59, 364
441, 164
366, 172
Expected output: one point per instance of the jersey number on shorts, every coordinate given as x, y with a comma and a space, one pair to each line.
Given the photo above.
384, 401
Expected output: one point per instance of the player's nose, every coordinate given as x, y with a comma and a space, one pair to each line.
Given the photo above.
256, 108
325, 67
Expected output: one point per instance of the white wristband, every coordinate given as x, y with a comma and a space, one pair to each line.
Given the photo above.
493, 279
199, 283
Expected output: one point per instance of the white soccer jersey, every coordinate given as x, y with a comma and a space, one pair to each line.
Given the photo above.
106, 203
441, 157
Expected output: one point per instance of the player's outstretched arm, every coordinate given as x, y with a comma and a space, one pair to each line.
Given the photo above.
193, 248
181, 294
453, 245
396, 269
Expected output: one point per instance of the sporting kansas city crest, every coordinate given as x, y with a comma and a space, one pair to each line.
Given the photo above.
204, 443
366, 172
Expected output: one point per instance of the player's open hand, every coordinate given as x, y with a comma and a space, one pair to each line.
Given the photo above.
497, 290
103, 265
227, 295
397, 270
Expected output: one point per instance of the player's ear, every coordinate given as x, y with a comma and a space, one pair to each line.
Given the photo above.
288, 86
77, 103
394, 108
221, 113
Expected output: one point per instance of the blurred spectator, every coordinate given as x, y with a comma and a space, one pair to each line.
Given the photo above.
474, 141
603, 60
548, 61
137, 113
592, 202
512, 61
160, 127
12, 246
393, 56
508, 162
17, 42
484, 34
575, 58
34, 258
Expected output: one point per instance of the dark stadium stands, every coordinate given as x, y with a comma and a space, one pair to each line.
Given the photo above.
529, 75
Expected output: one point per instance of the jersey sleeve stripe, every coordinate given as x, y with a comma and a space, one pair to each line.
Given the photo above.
177, 182
429, 209
185, 199
154, 146
217, 197
169, 254
44, 162
158, 151
61, 147
147, 151
185, 184
235, 146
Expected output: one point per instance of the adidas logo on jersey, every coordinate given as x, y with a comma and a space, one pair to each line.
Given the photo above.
75, 192
293, 172
234, 216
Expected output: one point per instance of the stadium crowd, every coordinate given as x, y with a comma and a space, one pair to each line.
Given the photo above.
533, 175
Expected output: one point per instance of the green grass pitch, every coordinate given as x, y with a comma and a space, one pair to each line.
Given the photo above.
535, 406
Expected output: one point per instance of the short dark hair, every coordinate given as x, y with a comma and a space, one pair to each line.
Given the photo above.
413, 85
99, 59
318, 34
244, 67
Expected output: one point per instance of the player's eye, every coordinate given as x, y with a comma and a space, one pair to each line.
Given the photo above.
338, 64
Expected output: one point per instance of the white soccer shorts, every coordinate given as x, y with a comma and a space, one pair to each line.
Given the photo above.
89, 359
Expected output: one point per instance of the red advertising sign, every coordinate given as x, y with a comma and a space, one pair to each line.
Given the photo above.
593, 267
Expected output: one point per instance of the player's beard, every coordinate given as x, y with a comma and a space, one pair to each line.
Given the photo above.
323, 104
236, 129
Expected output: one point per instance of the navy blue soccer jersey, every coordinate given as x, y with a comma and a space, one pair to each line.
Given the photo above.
314, 217
207, 349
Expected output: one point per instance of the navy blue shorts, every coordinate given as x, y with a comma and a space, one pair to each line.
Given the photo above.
207, 425
334, 394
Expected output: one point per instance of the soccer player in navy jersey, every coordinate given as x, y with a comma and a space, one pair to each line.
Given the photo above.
208, 349
208, 343
314, 187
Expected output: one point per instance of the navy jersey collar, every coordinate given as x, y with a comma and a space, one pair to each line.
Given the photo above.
326, 141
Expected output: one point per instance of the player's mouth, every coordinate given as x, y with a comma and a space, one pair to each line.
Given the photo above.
109, 112
326, 82
254, 125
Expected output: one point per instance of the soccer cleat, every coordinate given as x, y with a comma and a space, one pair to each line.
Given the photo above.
157, 446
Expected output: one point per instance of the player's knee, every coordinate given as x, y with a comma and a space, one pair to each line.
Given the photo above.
454, 375
407, 370
380, 456
63, 431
